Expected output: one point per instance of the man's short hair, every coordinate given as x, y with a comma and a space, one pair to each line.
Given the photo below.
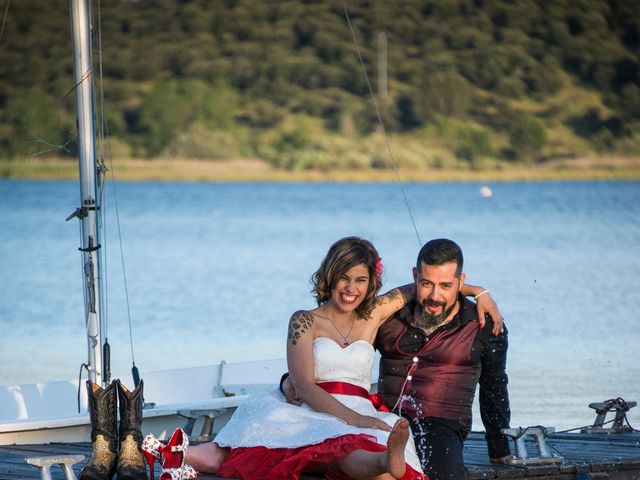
439, 252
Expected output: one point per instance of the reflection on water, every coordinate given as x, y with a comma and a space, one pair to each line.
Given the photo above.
215, 270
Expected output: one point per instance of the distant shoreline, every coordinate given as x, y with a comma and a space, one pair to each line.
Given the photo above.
254, 170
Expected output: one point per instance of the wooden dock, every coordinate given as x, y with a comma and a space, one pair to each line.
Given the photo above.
600, 456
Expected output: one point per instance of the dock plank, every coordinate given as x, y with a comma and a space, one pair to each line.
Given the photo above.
604, 457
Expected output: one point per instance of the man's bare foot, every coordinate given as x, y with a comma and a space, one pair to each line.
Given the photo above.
396, 442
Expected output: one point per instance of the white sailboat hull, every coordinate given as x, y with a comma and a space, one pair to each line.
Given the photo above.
48, 412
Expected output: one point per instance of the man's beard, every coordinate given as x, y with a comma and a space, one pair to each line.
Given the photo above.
425, 319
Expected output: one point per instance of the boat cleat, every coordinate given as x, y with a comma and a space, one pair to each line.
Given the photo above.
538, 434
66, 462
208, 415
620, 406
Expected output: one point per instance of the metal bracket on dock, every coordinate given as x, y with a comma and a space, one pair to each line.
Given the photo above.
621, 408
538, 434
66, 462
208, 414
218, 391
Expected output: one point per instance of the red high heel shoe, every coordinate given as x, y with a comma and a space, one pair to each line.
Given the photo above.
152, 450
171, 456
173, 466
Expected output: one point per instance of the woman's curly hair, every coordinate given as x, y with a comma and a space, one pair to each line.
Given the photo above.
343, 255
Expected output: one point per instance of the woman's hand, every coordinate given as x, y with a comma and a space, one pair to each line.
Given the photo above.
365, 421
486, 305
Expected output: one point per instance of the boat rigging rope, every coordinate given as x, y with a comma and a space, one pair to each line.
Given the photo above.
381, 123
4, 20
100, 173
105, 152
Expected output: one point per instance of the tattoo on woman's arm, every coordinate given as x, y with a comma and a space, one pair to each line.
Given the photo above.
394, 294
388, 297
300, 322
407, 292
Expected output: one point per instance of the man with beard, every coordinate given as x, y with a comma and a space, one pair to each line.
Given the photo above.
434, 353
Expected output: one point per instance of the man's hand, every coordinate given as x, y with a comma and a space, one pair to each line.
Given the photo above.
290, 393
486, 305
505, 459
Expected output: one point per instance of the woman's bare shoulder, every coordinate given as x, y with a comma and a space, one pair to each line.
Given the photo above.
300, 324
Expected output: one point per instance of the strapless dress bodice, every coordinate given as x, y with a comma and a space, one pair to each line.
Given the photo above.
334, 363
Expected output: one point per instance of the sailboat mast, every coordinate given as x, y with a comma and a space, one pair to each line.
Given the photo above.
89, 211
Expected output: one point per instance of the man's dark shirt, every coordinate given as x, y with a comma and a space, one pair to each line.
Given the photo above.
451, 362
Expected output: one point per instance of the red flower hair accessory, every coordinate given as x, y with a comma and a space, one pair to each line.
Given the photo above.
379, 271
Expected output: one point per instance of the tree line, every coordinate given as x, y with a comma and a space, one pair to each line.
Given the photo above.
282, 79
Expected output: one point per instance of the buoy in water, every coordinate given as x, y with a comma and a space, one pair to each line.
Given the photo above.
485, 192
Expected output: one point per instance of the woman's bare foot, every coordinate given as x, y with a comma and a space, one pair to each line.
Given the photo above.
396, 442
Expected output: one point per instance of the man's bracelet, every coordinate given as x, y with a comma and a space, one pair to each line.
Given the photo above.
475, 297
282, 379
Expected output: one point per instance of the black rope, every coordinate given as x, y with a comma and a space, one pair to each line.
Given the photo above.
523, 431
629, 424
612, 402
580, 428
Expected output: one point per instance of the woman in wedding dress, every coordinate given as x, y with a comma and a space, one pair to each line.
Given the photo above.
335, 429
330, 358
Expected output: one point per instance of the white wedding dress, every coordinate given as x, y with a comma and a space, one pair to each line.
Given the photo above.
267, 420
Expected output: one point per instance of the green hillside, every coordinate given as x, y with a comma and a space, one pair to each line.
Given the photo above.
466, 83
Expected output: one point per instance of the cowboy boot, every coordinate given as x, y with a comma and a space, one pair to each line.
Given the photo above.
103, 412
131, 464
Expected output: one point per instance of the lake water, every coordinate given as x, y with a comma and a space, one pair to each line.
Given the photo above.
214, 270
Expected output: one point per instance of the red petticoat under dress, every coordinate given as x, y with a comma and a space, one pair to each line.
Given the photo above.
262, 463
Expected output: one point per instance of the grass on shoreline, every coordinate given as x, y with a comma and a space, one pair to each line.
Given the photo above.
254, 170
